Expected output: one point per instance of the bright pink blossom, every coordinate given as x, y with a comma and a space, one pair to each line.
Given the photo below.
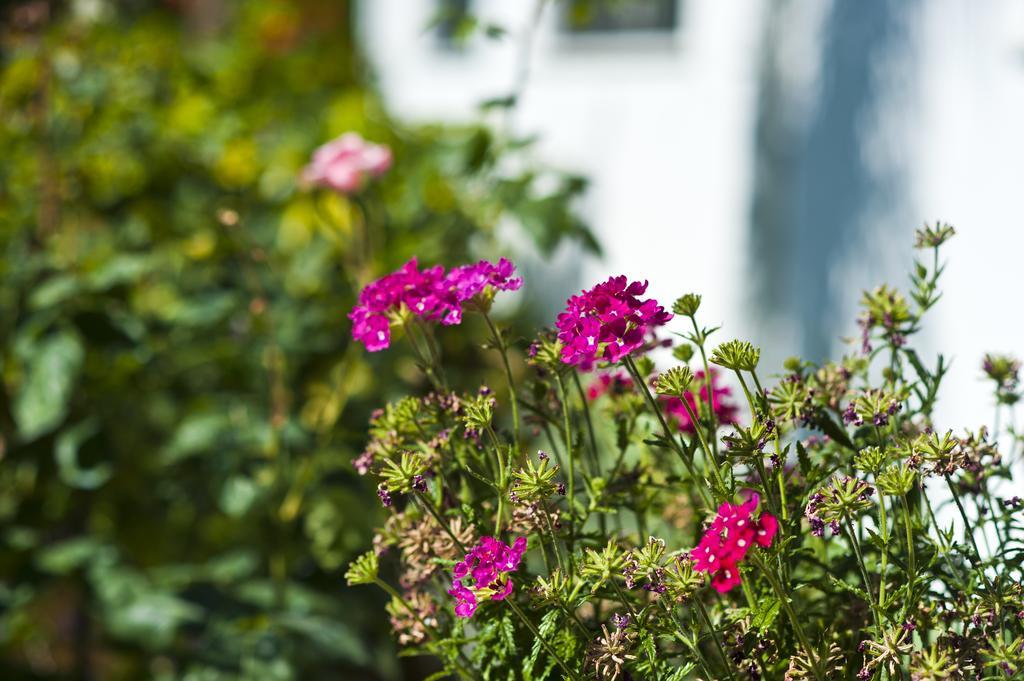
488, 565
725, 410
430, 294
346, 163
609, 321
731, 535
406, 288
465, 282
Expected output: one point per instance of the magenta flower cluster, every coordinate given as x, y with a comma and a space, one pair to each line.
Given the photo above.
431, 294
487, 565
732, 534
608, 322
346, 163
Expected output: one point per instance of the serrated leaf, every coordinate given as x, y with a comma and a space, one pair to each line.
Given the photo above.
849, 588
876, 539
765, 613
547, 625
803, 459
825, 423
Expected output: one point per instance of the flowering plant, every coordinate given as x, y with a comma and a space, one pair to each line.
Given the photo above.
664, 531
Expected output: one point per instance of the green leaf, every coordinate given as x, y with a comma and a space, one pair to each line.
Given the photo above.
331, 634
53, 291
51, 371
64, 557
547, 625
765, 613
66, 453
120, 269
877, 540
152, 618
856, 591
197, 433
825, 423
238, 495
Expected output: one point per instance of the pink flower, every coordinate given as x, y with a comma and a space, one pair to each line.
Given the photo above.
466, 282
707, 557
725, 410
766, 529
488, 565
608, 322
406, 288
726, 578
609, 382
731, 535
344, 164
430, 294
465, 600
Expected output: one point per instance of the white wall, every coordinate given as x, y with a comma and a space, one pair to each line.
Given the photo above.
661, 124
969, 171
664, 127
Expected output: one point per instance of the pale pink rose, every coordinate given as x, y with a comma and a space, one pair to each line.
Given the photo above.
346, 163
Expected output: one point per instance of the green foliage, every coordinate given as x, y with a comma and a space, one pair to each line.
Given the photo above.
180, 398
673, 557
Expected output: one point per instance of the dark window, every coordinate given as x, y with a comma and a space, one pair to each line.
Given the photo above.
452, 22
584, 17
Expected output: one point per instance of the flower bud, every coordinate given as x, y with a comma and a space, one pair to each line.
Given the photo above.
686, 306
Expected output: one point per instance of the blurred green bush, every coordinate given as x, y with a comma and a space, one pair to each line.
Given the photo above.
179, 403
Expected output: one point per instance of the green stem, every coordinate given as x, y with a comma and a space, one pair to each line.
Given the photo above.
723, 490
863, 571
623, 598
780, 473
692, 645
645, 391
595, 464
910, 543
425, 363
714, 637
885, 549
503, 350
969, 531
502, 481
554, 540
708, 386
391, 591
797, 627
440, 520
942, 540
547, 646
569, 458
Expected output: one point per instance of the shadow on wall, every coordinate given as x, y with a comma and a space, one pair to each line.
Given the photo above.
817, 189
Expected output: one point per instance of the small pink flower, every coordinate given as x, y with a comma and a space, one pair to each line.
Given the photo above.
707, 556
346, 163
489, 564
465, 600
431, 294
730, 536
466, 282
502, 592
726, 578
765, 530
608, 322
